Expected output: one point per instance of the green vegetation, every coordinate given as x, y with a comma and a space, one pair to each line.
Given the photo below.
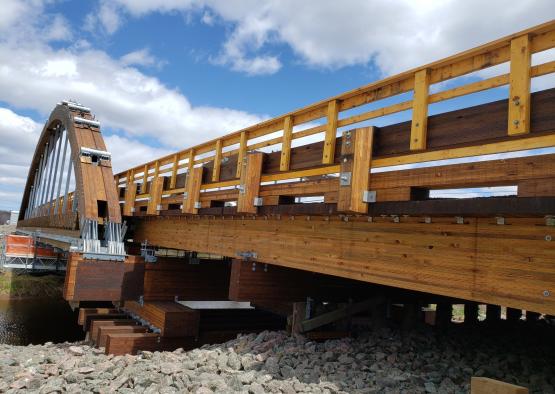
17, 285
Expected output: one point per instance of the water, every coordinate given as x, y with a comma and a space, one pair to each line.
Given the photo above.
38, 320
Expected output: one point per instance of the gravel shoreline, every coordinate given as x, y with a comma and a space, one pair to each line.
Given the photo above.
383, 361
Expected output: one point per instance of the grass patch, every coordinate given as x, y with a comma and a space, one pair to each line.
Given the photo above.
16, 285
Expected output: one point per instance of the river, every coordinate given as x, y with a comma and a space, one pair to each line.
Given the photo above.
38, 320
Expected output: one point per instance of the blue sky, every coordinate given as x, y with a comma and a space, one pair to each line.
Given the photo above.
165, 75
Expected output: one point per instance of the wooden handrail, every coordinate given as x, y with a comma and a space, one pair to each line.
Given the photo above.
536, 39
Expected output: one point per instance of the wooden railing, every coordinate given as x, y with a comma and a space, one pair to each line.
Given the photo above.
517, 49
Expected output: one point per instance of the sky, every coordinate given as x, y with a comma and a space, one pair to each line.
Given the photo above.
163, 75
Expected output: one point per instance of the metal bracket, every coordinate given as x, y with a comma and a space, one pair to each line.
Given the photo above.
88, 122
185, 195
247, 255
459, 219
550, 220
76, 106
500, 220
103, 256
369, 196
198, 205
345, 178
242, 189
95, 153
258, 201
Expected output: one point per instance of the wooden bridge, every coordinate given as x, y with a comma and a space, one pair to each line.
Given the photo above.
320, 204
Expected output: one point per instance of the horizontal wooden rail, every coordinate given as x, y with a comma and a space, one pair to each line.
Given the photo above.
515, 49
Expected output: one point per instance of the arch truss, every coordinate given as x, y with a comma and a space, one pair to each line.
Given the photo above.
70, 192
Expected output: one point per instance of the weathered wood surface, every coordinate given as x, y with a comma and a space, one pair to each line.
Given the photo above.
479, 260
170, 278
101, 280
173, 319
105, 330
96, 324
268, 284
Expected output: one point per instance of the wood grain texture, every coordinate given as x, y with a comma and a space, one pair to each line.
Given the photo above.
519, 86
356, 155
101, 280
192, 190
508, 264
250, 182
419, 125
173, 319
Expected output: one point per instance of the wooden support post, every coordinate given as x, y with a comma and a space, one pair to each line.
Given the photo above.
331, 131
286, 143
174, 171
444, 315
513, 315
217, 162
191, 197
250, 182
519, 89
470, 313
242, 153
493, 313
419, 127
532, 316
480, 385
156, 189
356, 154
412, 316
130, 194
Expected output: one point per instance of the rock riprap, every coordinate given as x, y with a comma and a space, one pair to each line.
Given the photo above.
273, 362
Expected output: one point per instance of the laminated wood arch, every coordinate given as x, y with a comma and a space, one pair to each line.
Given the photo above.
70, 134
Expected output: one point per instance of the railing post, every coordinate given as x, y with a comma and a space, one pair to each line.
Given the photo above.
356, 154
191, 163
130, 194
242, 153
191, 197
217, 162
519, 89
419, 127
145, 179
250, 182
156, 189
174, 171
286, 143
331, 131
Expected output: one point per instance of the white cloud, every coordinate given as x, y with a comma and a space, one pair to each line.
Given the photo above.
19, 135
128, 153
58, 29
122, 97
141, 57
394, 35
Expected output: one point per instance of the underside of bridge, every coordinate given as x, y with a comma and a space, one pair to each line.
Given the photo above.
317, 205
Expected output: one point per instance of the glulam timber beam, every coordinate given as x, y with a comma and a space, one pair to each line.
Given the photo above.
476, 259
